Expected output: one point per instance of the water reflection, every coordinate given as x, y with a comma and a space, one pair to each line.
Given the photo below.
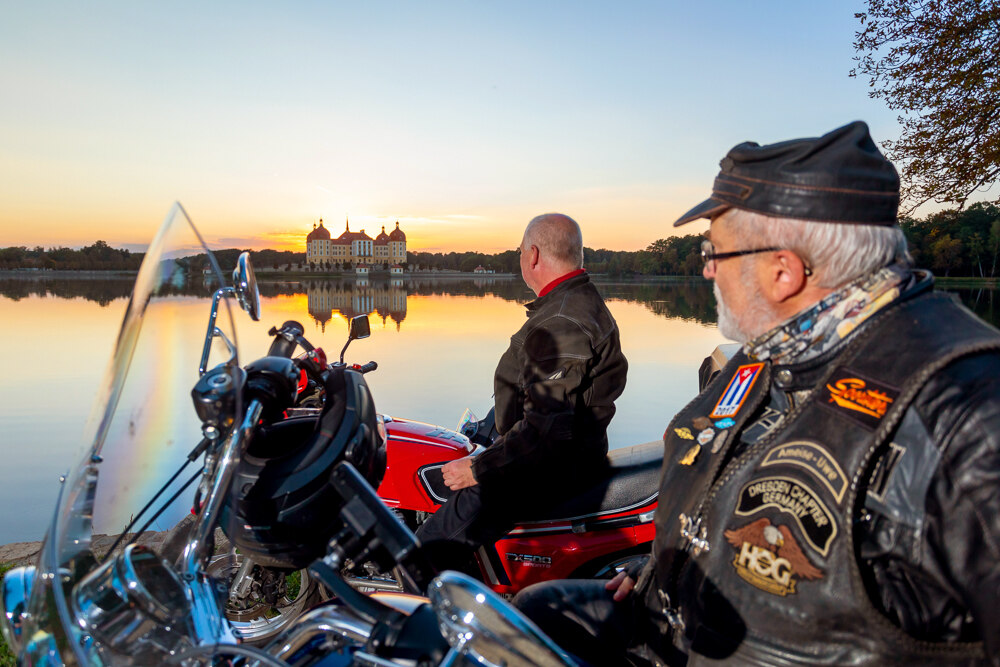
437, 349
350, 297
102, 290
690, 300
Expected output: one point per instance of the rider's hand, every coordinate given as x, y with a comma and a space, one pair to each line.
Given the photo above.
458, 474
622, 585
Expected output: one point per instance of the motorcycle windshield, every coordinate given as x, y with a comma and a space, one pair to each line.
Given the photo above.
143, 424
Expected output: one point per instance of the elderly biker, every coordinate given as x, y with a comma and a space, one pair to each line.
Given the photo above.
833, 495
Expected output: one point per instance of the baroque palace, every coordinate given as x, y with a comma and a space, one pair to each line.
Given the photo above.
355, 247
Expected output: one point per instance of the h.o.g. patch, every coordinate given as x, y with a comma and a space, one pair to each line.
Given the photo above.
769, 557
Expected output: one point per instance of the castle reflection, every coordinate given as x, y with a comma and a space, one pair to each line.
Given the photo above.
360, 296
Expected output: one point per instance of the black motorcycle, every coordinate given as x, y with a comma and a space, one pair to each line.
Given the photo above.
114, 585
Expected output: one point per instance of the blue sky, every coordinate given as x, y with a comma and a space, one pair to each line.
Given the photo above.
461, 120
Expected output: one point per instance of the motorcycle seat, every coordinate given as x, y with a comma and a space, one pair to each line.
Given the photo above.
631, 480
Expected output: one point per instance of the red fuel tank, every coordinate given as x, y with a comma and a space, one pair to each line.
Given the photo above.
411, 447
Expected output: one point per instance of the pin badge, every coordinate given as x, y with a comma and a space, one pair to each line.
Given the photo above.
691, 455
701, 423
720, 440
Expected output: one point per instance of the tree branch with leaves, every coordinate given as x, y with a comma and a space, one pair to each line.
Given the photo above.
937, 62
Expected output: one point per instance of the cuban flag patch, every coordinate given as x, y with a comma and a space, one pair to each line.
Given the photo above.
737, 391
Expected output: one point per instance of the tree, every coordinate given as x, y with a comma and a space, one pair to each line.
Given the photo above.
937, 62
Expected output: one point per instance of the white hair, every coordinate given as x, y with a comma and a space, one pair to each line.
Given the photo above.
836, 253
557, 236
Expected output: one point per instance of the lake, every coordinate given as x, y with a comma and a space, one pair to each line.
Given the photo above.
436, 340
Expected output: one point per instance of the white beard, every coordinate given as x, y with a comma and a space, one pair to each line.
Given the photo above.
756, 318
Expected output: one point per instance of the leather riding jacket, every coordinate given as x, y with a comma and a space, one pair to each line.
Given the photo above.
864, 527
555, 388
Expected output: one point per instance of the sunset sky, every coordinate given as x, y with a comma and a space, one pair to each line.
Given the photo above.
461, 120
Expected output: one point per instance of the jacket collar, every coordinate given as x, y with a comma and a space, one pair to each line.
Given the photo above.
561, 288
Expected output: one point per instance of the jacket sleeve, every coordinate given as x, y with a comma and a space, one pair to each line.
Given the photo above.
558, 356
962, 408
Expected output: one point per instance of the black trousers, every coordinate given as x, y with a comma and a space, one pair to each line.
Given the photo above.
451, 535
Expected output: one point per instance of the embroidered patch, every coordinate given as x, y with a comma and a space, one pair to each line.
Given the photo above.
701, 423
814, 458
862, 399
769, 557
725, 423
706, 436
737, 391
684, 432
792, 497
882, 473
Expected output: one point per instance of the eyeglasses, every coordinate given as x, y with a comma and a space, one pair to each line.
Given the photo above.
708, 255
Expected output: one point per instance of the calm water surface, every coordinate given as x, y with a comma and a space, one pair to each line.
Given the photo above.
437, 342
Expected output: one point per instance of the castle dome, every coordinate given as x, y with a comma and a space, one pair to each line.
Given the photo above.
318, 233
397, 234
382, 238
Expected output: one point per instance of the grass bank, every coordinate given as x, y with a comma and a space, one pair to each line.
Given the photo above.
6, 657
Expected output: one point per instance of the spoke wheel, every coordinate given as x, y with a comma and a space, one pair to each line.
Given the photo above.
253, 618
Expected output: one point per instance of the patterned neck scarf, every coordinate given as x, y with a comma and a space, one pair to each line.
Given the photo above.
822, 326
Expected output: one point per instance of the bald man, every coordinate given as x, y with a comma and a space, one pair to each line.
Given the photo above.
555, 388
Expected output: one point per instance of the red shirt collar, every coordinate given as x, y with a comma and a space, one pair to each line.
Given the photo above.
555, 283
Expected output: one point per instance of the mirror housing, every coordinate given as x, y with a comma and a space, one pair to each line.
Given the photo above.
360, 328
487, 630
245, 283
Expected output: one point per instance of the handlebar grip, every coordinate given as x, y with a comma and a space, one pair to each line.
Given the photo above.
281, 346
368, 368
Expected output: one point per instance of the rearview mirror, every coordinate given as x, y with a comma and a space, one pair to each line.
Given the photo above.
360, 327
245, 283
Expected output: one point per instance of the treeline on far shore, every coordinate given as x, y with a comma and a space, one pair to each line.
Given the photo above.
952, 243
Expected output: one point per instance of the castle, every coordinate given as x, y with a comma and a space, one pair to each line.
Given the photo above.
355, 247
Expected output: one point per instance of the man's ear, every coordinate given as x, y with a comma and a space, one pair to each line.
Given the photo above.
785, 276
533, 256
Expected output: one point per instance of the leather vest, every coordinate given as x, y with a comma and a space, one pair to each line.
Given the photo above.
754, 551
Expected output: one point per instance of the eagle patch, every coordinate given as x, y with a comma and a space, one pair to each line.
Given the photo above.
769, 557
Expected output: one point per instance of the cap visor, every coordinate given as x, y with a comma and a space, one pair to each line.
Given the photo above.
706, 209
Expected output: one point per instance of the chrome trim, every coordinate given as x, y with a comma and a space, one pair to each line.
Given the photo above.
209, 624
133, 603
594, 514
403, 438
212, 329
368, 660
422, 473
484, 560
330, 621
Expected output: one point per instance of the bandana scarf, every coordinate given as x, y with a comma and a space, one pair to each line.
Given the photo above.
821, 327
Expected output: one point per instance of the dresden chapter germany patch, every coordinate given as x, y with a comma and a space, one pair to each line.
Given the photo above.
737, 391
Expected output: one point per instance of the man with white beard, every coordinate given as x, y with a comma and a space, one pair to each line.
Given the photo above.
833, 495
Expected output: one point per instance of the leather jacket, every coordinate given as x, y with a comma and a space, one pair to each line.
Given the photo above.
555, 388
840, 537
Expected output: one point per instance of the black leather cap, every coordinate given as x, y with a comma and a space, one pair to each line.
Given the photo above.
839, 177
